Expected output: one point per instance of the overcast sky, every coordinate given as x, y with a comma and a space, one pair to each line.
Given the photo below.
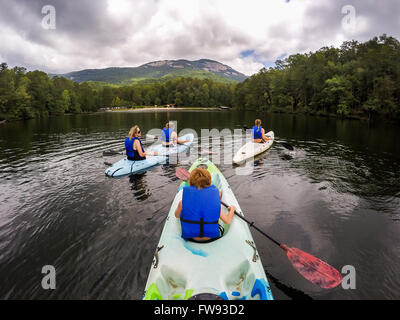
244, 34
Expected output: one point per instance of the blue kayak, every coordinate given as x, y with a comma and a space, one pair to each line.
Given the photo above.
126, 167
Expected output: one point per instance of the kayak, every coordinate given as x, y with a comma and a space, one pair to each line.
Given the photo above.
174, 149
226, 269
251, 149
127, 167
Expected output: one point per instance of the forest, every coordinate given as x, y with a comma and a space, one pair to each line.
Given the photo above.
360, 80
357, 80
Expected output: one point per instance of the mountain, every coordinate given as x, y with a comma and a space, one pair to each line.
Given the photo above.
159, 70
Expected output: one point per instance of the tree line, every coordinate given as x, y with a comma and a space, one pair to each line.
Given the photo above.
356, 80
26, 95
359, 80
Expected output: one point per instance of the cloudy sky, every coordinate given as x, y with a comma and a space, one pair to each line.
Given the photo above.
245, 34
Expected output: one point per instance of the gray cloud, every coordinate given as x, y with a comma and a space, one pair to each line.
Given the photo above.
100, 33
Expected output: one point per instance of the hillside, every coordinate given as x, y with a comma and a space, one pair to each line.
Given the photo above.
159, 70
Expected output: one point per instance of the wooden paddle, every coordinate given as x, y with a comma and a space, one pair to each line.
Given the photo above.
313, 269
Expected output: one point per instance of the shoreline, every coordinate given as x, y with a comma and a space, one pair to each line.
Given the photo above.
153, 109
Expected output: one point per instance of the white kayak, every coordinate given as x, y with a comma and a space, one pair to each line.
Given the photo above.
251, 149
228, 268
127, 167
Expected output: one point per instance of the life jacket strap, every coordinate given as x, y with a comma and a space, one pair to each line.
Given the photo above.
201, 223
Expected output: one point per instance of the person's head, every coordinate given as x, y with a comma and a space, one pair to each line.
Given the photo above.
258, 122
169, 125
200, 178
135, 132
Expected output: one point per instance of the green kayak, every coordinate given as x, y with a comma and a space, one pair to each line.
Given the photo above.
229, 268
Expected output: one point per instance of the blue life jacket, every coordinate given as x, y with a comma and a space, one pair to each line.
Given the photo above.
166, 135
257, 134
200, 212
130, 152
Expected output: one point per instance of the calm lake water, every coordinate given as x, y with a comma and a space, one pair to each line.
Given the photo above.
337, 196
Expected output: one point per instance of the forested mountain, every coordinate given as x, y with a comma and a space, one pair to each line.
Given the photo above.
359, 80
159, 70
25, 95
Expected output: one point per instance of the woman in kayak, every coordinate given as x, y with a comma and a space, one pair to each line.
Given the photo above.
134, 147
259, 133
200, 209
170, 137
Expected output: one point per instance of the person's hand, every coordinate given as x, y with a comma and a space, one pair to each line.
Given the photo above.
232, 208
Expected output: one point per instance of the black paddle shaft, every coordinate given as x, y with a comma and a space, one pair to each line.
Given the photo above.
251, 224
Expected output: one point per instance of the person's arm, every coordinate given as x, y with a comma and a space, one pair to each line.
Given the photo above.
229, 217
264, 136
178, 210
139, 149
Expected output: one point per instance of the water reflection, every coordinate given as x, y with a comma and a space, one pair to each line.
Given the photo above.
337, 196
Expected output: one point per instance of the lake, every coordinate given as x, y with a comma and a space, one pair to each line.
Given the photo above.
337, 196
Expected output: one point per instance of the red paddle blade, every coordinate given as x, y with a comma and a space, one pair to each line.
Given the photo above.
207, 151
313, 269
182, 174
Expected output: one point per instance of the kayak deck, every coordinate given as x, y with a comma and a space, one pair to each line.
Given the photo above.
229, 268
251, 149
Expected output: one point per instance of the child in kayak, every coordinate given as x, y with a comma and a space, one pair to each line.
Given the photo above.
259, 133
134, 147
169, 137
200, 209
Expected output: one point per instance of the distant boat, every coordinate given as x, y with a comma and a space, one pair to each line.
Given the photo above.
224, 108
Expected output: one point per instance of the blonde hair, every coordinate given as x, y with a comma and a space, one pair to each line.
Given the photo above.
200, 178
133, 132
258, 122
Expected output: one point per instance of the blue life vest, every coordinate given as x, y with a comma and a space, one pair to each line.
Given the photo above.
257, 134
200, 212
166, 135
130, 152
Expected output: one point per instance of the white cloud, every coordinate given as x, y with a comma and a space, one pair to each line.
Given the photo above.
104, 33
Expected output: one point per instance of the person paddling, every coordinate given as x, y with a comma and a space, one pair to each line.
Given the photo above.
134, 147
259, 133
200, 209
169, 137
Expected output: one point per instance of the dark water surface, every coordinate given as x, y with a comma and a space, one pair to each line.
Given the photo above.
337, 197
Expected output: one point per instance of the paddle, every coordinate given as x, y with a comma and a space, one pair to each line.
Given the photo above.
313, 269
284, 144
110, 153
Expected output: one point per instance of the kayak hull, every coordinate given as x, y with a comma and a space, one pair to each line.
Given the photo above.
251, 149
126, 167
228, 268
